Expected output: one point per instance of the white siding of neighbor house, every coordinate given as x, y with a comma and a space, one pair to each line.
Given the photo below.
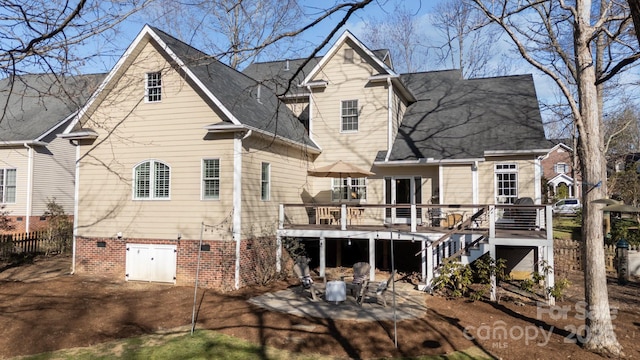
171, 131
17, 158
54, 175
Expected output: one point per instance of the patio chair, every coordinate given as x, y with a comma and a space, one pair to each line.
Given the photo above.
360, 281
301, 269
324, 215
383, 287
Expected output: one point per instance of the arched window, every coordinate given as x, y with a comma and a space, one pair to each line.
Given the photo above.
151, 180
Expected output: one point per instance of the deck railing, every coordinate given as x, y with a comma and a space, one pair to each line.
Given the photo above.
496, 219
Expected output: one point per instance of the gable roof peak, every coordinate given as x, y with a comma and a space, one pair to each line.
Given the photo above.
347, 35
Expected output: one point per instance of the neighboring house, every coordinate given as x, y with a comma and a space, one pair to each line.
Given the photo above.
558, 171
36, 167
177, 149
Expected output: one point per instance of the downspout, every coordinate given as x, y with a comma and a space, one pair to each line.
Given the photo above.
474, 182
237, 200
440, 185
389, 118
537, 181
310, 112
29, 186
76, 197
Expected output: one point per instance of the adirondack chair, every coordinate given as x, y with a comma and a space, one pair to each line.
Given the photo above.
301, 269
382, 289
360, 282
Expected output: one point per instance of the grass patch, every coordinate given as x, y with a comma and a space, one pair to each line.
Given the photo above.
567, 228
204, 344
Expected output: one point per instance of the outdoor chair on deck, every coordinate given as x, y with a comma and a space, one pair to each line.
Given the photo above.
301, 269
360, 281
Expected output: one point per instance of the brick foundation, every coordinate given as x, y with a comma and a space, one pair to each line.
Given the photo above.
217, 266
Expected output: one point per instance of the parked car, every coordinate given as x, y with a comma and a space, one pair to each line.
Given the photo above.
566, 207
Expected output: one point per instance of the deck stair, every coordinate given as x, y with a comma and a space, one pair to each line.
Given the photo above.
445, 248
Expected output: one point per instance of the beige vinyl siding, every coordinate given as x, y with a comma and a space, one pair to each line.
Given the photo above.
54, 176
399, 107
17, 158
457, 184
486, 183
170, 131
487, 178
288, 185
348, 81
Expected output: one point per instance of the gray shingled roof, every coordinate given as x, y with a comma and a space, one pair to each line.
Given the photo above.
252, 104
37, 103
461, 119
276, 75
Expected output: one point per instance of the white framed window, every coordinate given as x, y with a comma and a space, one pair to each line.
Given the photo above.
265, 188
211, 179
349, 116
151, 180
153, 87
8, 185
506, 183
349, 189
561, 168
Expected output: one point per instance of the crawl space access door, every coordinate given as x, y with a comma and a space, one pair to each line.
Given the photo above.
151, 262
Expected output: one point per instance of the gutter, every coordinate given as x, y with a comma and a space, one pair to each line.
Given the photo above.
515, 152
231, 128
26, 143
426, 161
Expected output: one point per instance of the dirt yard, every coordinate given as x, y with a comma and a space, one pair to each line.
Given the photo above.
43, 308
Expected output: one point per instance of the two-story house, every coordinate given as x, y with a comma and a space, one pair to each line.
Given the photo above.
184, 161
37, 167
559, 173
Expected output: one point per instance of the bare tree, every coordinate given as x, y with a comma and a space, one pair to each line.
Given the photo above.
398, 32
46, 36
470, 43
560, 43
230, 29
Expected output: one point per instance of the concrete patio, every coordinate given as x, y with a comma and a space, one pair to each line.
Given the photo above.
410, 304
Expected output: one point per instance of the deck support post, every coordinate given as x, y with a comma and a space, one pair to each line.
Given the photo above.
323, 256
372, 257
494, 285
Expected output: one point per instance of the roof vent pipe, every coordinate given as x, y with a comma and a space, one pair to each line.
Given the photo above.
286, 65
258, 93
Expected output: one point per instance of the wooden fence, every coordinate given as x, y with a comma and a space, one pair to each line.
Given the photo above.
33, 243
568, 255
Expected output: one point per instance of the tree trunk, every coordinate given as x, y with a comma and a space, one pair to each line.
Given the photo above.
634, 6
600, 336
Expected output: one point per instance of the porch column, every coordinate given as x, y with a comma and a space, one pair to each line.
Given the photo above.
372, 257
323, 256
414, 220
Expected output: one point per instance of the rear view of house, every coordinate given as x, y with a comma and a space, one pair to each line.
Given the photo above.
185, 161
